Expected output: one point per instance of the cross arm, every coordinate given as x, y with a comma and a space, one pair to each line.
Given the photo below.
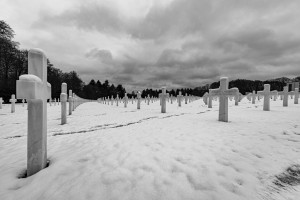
214, 92
29, 87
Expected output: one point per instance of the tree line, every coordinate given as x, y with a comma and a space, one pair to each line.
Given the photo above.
14, 62
247, 86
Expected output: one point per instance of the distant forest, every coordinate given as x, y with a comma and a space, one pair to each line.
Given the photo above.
13, 63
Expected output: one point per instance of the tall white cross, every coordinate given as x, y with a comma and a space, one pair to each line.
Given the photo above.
36, 90
186, 98
275, 94
138, 100
163, 97
63, 98
73, 101
223, 92
253, 96
13, 101
70, 102
296, 96
117, 100
236, 99
148, 99
125, 100
210, 98
179, 98
285, 96
266, 93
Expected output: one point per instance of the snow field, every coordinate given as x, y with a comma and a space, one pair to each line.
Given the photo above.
110, 152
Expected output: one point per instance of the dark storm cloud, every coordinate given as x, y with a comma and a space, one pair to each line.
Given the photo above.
191, 41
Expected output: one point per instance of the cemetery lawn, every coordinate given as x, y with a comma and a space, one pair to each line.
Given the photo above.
109, 152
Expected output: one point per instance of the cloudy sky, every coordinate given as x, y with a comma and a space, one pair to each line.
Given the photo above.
151, 43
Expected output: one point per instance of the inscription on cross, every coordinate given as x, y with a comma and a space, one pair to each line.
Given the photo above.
223, 92
34, 88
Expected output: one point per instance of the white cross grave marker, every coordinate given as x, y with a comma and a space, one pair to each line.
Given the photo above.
275, 94
223, 92
253, 96
138, 100
266, 93
148, 99
70, 102
179, 98
117, 100
125, 100
73, 101
186, 98
163, 96
210, 98
285, 96
36, 90
13, 102
63, 98
236, 99
296, 96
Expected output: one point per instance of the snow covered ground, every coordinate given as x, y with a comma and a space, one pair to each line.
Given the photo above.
109, 152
